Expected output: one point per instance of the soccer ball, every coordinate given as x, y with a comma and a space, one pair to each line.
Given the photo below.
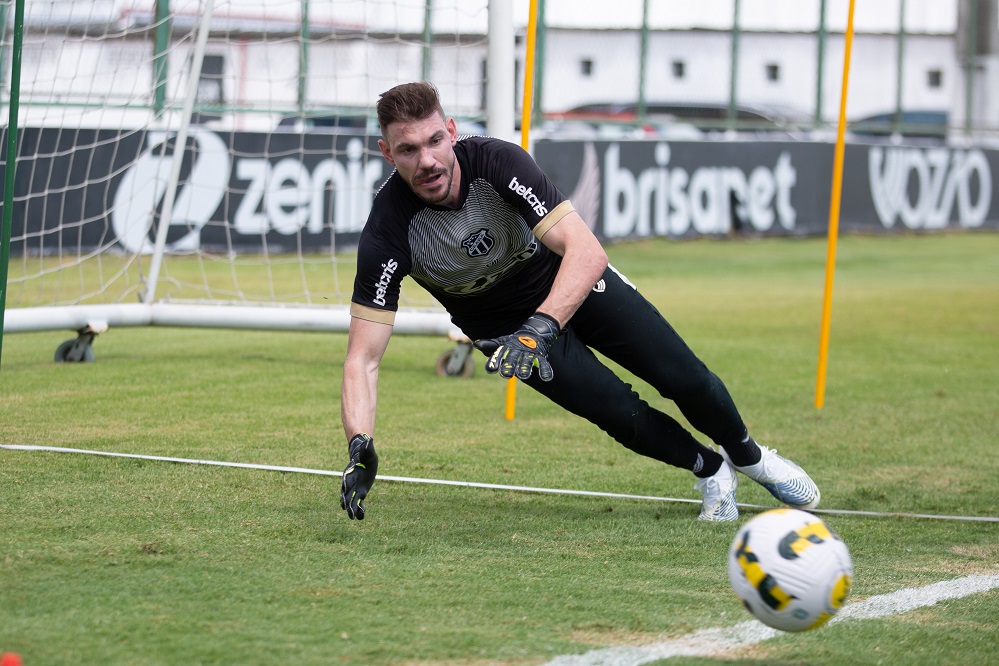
791, 571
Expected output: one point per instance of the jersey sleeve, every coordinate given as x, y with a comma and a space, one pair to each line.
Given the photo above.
380, 269
521, 183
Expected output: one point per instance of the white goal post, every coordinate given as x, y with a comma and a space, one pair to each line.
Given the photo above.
210, 163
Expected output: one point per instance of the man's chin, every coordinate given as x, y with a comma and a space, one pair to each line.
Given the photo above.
432, 196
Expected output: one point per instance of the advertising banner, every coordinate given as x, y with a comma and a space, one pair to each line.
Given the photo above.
244, 191
236, 190
635, 189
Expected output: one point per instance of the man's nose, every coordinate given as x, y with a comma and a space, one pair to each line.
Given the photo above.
427, 158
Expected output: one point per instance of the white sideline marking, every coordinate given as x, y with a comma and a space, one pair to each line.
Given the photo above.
714, 641
471, 484
706, 642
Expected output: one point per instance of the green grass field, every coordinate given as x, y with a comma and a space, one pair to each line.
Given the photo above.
118, 561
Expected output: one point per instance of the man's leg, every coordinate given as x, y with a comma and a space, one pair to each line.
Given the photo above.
586, 387
620, 323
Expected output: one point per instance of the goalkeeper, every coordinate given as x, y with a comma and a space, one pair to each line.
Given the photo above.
479, 225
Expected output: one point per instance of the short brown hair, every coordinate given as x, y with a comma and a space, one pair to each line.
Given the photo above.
409, 101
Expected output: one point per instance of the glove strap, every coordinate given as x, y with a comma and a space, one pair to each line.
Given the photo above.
548, 319
358, 442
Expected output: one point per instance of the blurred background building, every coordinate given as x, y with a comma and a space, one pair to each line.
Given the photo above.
919, 67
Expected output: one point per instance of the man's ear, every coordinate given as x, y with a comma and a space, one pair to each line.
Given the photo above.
386, 152
452, 129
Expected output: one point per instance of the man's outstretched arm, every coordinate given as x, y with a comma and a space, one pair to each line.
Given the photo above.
366, 344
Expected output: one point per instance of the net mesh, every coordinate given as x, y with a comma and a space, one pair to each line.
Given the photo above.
264, 200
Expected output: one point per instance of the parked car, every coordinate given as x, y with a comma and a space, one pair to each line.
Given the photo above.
332, 123
610, 130
360, 125
711, 119
909, 124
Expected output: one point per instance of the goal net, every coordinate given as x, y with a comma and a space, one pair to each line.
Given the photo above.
175, 156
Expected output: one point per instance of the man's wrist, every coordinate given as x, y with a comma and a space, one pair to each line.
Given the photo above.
357, 440
547, 318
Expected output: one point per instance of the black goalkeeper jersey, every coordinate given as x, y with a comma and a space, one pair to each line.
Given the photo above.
483, 261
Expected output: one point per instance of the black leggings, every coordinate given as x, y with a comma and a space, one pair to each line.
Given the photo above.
621, 324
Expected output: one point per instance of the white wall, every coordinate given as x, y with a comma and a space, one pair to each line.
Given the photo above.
354, 72
707, 58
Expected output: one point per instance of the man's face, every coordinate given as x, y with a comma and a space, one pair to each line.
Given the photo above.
422, 151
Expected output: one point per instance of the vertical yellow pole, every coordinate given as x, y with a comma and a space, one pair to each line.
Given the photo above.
525, 133
837, 192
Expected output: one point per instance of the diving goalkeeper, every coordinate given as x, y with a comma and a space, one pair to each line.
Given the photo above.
478, 224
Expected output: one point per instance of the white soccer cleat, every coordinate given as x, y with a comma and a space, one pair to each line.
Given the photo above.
785, 480
718, 494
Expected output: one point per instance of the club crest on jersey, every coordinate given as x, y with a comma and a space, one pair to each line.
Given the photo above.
479, 243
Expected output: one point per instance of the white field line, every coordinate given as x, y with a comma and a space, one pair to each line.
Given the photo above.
718, 640
705, 642
468, 484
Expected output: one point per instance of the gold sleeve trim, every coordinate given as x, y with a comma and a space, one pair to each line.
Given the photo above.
372, 314
553, 217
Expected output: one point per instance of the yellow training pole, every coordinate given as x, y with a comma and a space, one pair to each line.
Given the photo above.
525, 133
837, 192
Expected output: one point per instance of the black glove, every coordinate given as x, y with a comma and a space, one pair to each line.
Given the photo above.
517, 354
359, 475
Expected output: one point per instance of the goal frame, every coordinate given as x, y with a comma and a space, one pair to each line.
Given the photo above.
91, 319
